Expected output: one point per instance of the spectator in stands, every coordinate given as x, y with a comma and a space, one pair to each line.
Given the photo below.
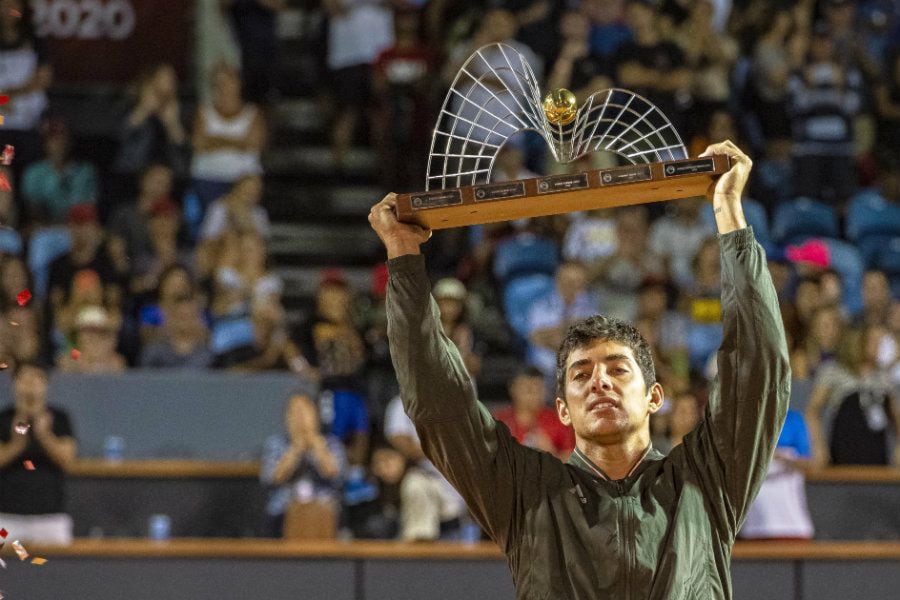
37, 448
429, 506
87, 253
550, 316
129, 227
780, 510
861, 402
666, 332
163, 225
575, 66
335, 351
608, 27
255, 27
270, 348
849, 41
238, 212
152, 132
618, 276
530, 420
776, 53
183, 340
228, 139
683, 417
25, 78
710, 56
592, 236
887, 106
876, 298
824, 99
821, 341
242, 276
651, 66
677, 237
175, 283
402, 79
96, 334
20, 326
54, 185
301, 466
357, 32
452, 299
380, 518
702, 306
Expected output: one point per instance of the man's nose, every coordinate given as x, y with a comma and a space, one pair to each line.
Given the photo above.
601, 380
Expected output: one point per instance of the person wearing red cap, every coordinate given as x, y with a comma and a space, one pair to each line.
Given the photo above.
86, 253
52, 186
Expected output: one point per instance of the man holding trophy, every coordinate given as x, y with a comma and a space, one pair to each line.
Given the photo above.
618, 519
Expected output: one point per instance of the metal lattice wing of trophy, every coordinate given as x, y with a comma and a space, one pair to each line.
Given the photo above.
495, 96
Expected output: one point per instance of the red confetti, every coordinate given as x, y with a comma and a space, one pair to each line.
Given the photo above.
4, 99
3, 533
9, 152
23, 297
76, 353
4, 183
29, 466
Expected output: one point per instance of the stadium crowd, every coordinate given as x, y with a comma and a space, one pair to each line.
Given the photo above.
159, 258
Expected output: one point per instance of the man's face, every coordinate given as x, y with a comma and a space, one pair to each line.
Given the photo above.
31, 390
157, 182
606, 400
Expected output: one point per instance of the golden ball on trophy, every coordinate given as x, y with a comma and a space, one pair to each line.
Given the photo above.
560, 106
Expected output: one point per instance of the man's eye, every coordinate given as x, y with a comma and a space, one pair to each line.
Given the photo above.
620, 371
579, 376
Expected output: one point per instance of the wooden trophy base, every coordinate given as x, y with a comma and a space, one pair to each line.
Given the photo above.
556, 194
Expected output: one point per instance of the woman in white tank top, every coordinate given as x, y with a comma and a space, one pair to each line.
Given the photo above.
228, 139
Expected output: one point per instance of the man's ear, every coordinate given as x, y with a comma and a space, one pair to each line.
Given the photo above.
562, 410
657, 396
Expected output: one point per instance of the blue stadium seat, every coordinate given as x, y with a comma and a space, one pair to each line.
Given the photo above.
46, 245
755, 214
889, 257
518, 297
10, 241
869, 214
803, 218
525, 254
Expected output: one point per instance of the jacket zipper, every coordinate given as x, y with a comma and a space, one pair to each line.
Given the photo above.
627, 542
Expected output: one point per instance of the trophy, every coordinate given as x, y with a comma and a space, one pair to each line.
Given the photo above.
494, 96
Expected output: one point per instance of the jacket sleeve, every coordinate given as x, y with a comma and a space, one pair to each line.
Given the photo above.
730, 450
458, 434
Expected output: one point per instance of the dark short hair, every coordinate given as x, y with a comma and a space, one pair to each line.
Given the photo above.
528, 371
599, 327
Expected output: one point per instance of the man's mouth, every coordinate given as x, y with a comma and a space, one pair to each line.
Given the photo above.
604, 403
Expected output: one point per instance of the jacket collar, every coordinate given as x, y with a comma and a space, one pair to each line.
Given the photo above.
578, 459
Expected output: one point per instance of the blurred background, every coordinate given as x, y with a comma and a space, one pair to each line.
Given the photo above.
194, 369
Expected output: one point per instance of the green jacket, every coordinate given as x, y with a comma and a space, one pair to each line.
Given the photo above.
664, 532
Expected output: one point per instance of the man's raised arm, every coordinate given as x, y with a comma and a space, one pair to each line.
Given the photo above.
457, 432
732, 447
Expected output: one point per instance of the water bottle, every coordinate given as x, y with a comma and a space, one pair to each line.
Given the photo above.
159, 527
114, 448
